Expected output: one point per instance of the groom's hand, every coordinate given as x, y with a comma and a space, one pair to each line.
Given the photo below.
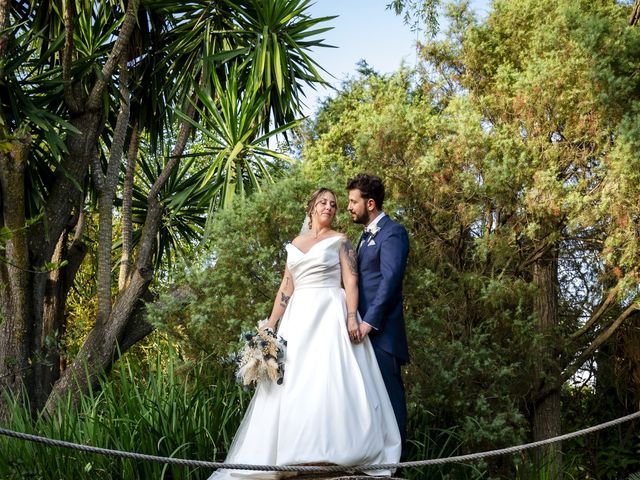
364, 328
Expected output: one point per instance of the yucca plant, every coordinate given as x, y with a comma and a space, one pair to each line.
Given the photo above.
164, 412
83, 85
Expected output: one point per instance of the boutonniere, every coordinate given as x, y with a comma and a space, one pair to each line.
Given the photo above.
373, 231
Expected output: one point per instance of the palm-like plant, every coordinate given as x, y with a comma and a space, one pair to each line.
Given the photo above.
279, 63
83, 79
232, 122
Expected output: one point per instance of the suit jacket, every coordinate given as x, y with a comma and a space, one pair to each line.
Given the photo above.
381, 264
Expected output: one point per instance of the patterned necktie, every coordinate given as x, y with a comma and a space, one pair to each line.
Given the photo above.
364, 239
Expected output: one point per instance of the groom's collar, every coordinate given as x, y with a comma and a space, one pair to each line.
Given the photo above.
375, 221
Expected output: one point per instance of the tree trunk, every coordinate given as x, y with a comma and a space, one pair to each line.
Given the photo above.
106, 184
123, 327
15, 275
635, 13
546, 408
127, 209
64, 203
54, 317
99, 349
53, 324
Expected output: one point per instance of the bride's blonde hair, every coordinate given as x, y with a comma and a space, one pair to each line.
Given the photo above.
314, 199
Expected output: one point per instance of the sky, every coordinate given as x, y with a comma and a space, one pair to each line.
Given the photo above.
366, 30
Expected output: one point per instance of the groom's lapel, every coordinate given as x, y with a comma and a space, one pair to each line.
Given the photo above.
381, 224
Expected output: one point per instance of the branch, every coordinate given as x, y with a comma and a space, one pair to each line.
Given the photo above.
635, 15
602, 308
154, 209
107, 193
537, 254
67, 53
120, 131
127, 204
137, 327
5, 8
77, 250
602, 338
114, 58
96, 174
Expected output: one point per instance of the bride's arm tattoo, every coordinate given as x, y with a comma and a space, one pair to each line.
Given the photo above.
351, 256
284, 299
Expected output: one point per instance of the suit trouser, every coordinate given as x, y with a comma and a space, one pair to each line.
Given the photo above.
391, 374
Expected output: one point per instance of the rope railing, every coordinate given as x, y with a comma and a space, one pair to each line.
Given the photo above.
314, 468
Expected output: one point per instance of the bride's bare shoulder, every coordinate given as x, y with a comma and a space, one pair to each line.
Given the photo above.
297, 240
302, 241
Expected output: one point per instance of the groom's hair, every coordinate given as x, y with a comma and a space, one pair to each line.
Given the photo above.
370, 186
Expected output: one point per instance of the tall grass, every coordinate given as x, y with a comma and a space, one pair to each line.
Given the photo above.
163, 413
426, 443
189, 413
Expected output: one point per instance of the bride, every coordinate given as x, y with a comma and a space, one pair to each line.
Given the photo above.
332, 407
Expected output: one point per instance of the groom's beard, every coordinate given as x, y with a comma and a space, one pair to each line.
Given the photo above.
360, 219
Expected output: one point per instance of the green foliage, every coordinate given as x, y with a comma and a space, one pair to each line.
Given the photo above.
240, 157
232, 282
468, 318
519, 138
419, 14
429, 442
517, 143
219, 77
172, 410
610, 453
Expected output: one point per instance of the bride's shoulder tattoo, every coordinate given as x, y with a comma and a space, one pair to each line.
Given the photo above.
350, 254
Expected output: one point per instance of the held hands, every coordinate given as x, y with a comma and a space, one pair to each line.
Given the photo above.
353, 328
357, 331
363, 330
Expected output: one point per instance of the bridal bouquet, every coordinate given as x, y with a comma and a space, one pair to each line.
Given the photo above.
261, 358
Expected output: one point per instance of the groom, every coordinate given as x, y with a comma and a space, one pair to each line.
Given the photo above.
382, 257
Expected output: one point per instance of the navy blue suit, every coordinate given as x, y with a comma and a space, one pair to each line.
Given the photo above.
381, 264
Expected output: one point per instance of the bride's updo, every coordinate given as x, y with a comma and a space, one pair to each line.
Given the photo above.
314, 199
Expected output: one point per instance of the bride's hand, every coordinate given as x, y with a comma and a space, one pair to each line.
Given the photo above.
266, 323
353, 329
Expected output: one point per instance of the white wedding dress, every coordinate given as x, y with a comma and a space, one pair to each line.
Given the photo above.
332, 406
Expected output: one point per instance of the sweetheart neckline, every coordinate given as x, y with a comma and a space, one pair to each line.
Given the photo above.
317, 243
